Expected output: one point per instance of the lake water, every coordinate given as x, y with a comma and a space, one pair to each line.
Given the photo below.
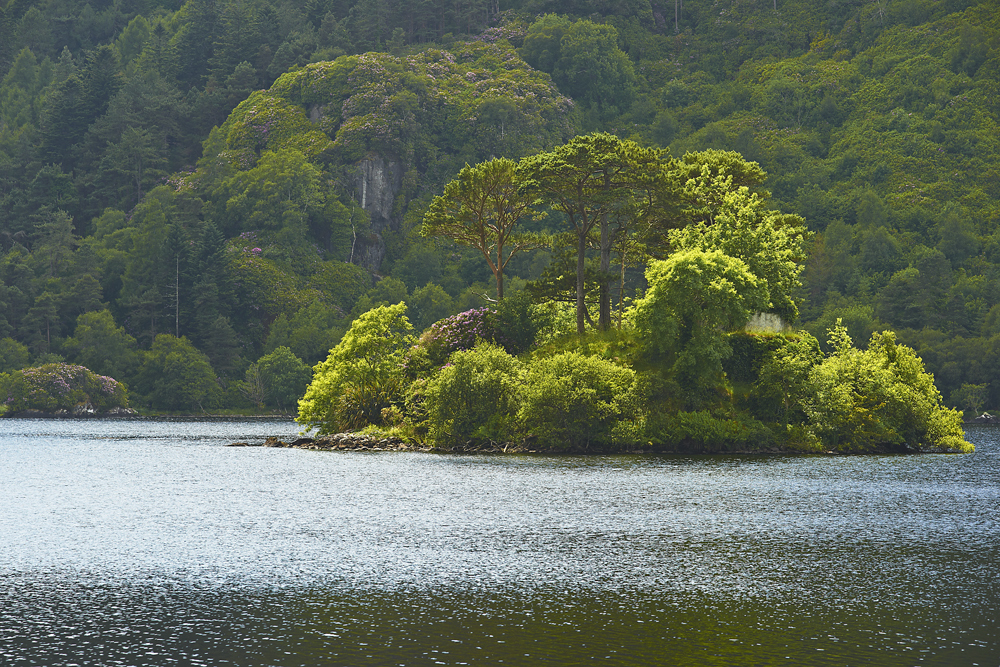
151, 543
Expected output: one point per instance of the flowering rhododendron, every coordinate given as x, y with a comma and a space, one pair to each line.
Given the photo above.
61, 386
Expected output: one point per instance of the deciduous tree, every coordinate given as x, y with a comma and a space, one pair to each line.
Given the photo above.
362, 375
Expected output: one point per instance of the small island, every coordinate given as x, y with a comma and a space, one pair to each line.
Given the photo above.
701, 360
775, 393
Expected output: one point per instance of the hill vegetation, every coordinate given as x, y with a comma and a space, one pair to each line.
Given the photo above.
188, 189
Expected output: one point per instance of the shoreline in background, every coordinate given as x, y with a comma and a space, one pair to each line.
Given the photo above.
349, 441
141, 417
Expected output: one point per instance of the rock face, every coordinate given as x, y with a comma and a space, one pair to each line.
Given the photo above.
377, 184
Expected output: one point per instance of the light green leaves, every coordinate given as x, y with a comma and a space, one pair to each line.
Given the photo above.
694, 297
362, 375
769, 243
879, 397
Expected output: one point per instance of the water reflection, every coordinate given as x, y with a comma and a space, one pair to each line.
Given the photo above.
164, 622
162, 546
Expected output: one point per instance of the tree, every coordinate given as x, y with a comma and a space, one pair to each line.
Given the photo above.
42, 318
693, 190
363, 374
541, 47
13, 355
284, 377
769, 243
237, 40
429, 304
132, 39
482, 208
592, 69
971, 397
280, 193
586, 179
221, 345
310, 333
55, 239
132, 157
585, 62
252, 386
176, 376
694, 297
64, 121
102, 346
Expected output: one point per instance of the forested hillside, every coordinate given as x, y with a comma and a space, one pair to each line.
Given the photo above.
199, 199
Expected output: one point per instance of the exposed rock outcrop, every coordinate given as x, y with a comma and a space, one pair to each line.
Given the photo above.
377, 184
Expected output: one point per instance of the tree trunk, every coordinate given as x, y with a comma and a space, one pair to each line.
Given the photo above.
604, 313
581, 305
499, 273
621, 290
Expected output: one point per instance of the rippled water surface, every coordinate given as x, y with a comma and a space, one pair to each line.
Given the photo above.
150, 543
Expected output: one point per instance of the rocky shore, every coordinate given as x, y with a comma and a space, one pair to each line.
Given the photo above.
82, 410
985, 418
339, 442
362, 442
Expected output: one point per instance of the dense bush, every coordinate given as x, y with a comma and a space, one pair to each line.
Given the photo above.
363, 374
881, 397
702, 432
59, 386
571, 401
475, 398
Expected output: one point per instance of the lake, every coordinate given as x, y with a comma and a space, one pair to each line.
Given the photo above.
151, 543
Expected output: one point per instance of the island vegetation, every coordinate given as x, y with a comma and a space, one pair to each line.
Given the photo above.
665, 376
719, 226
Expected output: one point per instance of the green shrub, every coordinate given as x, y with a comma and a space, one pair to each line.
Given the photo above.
572, 401
702, 432
475, 398
363, 374
879, 398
